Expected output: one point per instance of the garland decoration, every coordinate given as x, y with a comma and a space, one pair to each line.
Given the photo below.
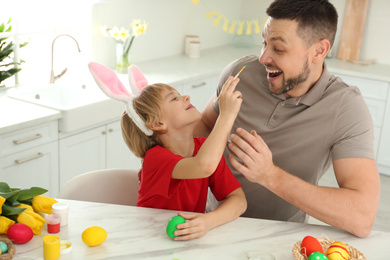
230, 27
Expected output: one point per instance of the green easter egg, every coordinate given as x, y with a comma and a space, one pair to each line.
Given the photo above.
171, 227
3, 247
317, 256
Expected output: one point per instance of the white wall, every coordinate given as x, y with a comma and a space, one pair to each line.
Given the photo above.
169, 21
376, 38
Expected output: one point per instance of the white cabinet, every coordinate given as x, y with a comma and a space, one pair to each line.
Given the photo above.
384, 148
94, 149
29, 157
200, 91
82, 152
377, 97
118, 154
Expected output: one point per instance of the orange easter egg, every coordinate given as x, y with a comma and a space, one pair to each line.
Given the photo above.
310, 245
338, 251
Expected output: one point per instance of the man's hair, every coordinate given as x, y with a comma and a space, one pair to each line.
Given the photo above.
148, 107
317, 19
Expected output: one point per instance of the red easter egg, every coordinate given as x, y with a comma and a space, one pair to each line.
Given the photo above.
310, 245
20, 233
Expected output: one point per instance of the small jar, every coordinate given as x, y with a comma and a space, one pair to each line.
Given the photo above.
53, 223
61, 209
194, 49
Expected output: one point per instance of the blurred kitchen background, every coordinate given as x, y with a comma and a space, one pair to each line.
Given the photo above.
38, 22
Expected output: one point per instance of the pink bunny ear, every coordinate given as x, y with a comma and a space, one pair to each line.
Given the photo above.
137, 80
109, 82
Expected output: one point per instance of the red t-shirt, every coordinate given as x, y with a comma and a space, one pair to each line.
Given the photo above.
159, 190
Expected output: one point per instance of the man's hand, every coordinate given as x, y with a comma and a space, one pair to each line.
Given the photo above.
257, 165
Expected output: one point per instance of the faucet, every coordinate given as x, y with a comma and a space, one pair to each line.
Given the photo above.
52, 77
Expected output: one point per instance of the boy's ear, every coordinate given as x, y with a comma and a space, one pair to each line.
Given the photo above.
158, 126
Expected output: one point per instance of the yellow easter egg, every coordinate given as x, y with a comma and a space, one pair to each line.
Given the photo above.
338, 251
94, 236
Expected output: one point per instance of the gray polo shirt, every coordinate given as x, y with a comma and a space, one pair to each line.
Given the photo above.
305, 134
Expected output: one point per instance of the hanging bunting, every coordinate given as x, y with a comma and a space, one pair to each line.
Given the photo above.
225, 27
241, 27
232, 27
209, 15
216, 21
257, 27
249, 27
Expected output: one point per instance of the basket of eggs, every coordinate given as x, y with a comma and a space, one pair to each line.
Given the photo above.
311, 248
7, 249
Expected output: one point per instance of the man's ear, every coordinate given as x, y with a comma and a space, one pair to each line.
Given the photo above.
321, 50
159, 126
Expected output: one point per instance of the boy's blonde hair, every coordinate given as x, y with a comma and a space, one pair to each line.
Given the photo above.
148, 107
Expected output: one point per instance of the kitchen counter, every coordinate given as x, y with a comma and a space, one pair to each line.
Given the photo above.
139, 233
15, 114
174, 70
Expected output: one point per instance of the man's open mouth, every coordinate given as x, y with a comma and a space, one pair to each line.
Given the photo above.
273, 73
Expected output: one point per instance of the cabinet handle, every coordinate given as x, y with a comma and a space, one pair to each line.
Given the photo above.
29, 159
110, 130
27, 139
199, 85
104, 132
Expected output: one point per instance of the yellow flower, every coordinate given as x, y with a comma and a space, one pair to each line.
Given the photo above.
2, 200
115, 33
138, 27
123, 34
26, 207
5, 223
43, 204
31, 219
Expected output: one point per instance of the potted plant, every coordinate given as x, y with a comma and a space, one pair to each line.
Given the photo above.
6, 49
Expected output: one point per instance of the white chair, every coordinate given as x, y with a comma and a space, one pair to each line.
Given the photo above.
115, 186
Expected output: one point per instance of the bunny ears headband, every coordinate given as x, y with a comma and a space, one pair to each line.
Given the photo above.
110, 84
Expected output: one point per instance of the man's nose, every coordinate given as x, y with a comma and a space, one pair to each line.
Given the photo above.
265, 58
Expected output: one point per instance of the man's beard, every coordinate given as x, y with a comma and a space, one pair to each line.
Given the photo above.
291, 83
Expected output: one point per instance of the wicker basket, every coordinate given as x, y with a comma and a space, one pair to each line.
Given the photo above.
354, 254
11, 249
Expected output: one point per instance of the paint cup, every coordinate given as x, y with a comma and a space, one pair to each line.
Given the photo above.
53, 246
61, 209
53, 223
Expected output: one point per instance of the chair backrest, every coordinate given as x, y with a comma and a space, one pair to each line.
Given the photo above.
115, 186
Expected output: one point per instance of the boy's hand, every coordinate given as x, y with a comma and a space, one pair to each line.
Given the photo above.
230, 99
196, 226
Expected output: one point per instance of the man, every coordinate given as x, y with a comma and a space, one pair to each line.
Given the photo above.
304, 119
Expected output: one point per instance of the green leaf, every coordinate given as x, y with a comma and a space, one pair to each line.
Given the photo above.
13, 198
9, 210
9, 21
2, 26
9, 73
30, 193
4, 187
27, 202
5, 191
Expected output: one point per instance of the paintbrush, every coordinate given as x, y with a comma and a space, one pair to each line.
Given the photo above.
238, 74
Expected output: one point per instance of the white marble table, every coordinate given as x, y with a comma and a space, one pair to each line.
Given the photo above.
139, 233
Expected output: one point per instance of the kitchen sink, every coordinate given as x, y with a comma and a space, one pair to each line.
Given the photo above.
80, 107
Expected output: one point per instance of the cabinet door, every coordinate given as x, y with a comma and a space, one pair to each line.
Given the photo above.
384, 146
199, 91
117, 153
33, 167
81, 153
